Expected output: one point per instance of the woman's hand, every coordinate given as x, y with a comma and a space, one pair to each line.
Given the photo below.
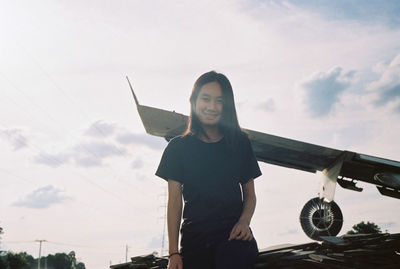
175, 262
241, 231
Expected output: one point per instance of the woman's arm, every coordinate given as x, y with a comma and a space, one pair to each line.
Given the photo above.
174, 214
241, 230
249, 197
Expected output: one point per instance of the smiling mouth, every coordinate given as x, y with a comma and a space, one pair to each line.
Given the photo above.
211, 115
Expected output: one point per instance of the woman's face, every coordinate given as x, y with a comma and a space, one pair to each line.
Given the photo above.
209, 104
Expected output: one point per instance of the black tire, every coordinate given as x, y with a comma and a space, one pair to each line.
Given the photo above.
319, 218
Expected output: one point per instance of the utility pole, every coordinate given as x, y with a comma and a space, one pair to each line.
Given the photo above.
165, 221
40, 250
126, 253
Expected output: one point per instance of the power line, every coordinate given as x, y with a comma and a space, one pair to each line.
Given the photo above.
60, 89
58, 162
49, 115
16, 176
18, 242
92, 247
80, 145
90, 206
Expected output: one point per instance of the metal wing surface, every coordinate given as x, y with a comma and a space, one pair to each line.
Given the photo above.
292, 153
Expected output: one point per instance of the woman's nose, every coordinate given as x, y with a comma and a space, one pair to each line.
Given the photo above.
212, 105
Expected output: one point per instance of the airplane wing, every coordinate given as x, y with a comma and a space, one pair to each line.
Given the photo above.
384, 173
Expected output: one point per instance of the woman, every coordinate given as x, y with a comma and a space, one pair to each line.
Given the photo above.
213, 166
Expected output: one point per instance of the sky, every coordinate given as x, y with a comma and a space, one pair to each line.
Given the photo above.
76, 166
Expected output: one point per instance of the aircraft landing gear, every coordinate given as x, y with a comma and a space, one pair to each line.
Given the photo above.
319, 218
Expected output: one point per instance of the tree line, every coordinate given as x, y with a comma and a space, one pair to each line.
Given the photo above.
22, 260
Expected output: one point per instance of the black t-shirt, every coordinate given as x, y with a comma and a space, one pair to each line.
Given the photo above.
211, 177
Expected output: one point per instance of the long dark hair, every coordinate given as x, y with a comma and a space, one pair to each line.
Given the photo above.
228, 124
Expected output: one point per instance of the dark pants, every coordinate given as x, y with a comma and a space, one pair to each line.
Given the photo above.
234, 254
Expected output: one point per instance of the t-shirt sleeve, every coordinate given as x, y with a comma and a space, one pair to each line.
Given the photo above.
249, 167
170, 166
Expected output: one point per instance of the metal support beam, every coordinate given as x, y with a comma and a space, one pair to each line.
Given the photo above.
329, 177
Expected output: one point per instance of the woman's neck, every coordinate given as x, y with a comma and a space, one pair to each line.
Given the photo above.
213, 133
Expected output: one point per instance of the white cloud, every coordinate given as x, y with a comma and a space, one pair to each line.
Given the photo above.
99, 150
89, 154
92, 152
52, 160
322, 91
42, 198
268, 105
137, 164
141, 139
386, 90
100, 129
15, 137
86, 154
